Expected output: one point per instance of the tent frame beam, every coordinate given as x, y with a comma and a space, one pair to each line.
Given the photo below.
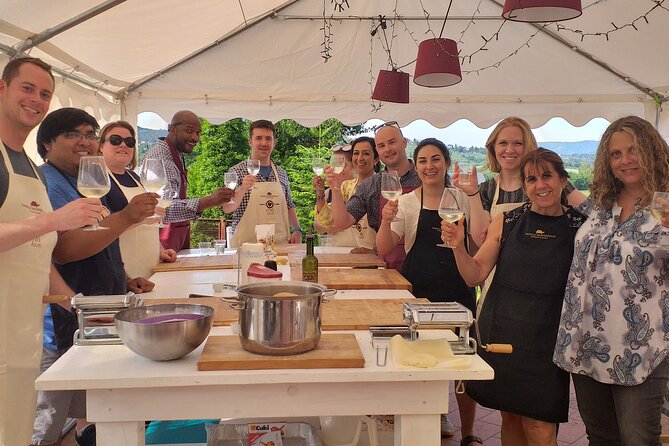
248, 24
45, 35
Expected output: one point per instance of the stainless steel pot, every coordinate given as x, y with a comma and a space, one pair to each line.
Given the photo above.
272, 325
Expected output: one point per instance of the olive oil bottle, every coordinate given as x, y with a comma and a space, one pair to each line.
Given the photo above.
310, 262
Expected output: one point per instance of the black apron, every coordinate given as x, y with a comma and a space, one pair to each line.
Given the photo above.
431, 269
523, 308
99, 274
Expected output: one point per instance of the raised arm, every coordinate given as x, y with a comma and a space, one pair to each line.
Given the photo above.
473, 270
386, 239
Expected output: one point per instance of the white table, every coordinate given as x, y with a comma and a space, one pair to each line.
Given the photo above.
123, 390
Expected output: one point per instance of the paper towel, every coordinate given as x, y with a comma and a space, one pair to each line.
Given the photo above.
250, 253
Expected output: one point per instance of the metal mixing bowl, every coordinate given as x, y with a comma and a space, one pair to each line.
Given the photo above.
164, 341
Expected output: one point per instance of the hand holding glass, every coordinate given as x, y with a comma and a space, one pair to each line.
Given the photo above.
165, 202
465, 174
153, 178
253, 167
659, 209
449, 209
230, 180
93, 181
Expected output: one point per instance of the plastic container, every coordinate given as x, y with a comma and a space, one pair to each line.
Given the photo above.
260, 273
295, 434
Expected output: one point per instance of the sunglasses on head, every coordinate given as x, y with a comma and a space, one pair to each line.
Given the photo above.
116, 140
386, 124
342, 147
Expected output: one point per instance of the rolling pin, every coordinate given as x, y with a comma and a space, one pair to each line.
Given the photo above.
55, 298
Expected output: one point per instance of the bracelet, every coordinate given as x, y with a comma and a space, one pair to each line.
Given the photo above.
320, 196
477, 192
294, 230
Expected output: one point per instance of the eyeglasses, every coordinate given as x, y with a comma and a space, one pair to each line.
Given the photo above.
342, 147
72, 135
116, 140
386, 124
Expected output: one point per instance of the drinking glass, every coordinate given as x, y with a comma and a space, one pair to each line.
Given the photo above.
338, 162
318, 166
391, 188
153, 178
93, 181
449, 209
659, 209
253, 167
165, 202
230, 180
465, 173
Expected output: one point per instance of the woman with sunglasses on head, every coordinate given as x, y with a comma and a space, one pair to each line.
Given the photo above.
140, 245
614, 327
509, 141
365, 161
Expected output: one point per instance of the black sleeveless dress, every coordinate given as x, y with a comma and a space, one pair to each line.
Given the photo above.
523, 308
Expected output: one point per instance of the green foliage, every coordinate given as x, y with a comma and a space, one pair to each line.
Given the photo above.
582, 178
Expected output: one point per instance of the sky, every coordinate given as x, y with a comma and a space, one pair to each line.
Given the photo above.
462, 132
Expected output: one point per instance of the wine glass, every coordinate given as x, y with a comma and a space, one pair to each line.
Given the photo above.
153, 178
253, 167
93, 181
318, 166
449, 209
338, 162
659, 209
165, 202
230, 180
391, 188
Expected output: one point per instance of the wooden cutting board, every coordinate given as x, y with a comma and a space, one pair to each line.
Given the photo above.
360, 314
350, 260
362, 279
334, 350
223, 314
192, 263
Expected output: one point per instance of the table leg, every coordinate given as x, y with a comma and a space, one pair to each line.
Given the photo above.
120, 434
421, 430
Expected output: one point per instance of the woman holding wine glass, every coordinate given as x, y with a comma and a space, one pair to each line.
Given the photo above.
416, 217
532, 247
614, 326
140, 245
361, 236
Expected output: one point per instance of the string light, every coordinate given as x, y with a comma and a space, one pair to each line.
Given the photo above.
327, 35
338, 5
633, 24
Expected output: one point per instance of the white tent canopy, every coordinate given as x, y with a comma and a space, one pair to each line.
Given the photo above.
263, 58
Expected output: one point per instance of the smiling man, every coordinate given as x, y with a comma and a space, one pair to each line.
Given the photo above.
182, 137
27, 237
263, 197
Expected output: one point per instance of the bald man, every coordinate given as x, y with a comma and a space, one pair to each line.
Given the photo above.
183, 135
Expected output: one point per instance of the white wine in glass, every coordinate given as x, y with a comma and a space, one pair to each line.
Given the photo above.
93, 181
659, 209
253, 167
338, 162
165, 202
449, 209
230, 180
318, 166
154, 179
391, 188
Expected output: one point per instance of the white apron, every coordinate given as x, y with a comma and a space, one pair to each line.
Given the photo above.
495, 210
267, 204
140, 246
24, 276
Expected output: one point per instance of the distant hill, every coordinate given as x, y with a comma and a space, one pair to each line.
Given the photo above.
147, 138
571, 148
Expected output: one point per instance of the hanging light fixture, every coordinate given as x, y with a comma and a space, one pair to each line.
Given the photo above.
437, 64
541, 10
392, 86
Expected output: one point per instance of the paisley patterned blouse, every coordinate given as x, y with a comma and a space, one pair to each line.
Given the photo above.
615, 316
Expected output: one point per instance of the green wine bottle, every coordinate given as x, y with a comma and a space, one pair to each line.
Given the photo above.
310, 262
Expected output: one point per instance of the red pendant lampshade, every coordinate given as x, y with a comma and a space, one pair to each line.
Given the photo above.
541, 10
392, 86
437, 64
